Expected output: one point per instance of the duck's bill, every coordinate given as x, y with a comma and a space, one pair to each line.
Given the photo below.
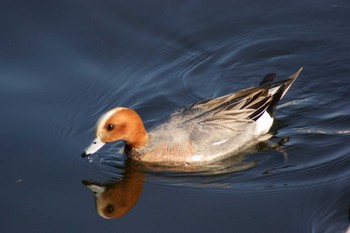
94, 147
96, 188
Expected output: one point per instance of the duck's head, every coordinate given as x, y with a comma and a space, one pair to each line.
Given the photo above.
118, 124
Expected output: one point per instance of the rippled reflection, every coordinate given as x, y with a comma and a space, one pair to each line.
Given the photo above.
115, 199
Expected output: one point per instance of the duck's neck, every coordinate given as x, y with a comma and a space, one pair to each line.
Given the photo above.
135, 134
139, 139
138, 136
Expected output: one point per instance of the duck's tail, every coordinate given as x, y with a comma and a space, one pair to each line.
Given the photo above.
277, 90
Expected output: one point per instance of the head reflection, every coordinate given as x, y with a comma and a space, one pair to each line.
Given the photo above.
113, 200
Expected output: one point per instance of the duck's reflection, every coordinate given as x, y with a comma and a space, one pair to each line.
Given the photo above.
114, 200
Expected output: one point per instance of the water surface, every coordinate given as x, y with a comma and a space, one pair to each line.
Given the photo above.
64, 63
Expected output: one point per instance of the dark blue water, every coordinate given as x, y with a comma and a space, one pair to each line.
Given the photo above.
64, 63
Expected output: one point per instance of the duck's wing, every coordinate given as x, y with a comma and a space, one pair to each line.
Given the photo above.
225, 106
237, 109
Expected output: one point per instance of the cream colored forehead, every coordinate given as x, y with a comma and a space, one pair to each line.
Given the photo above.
105, 117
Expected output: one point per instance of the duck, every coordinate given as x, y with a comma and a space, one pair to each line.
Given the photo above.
202, 133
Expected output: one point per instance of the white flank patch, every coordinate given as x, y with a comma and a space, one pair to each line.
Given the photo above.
263, 124
219, 142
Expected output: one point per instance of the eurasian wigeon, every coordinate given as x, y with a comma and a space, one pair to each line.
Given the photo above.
199, 134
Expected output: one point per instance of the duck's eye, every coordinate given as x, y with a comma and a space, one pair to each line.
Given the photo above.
110, 127
110, 208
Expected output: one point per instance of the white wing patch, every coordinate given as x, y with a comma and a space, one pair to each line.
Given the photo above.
197, 158
219, 142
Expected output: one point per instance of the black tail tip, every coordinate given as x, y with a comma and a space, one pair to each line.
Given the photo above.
268, 80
